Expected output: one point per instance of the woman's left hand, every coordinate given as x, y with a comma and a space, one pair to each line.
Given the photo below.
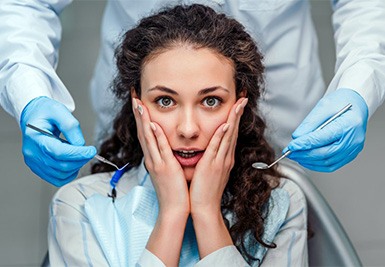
213, 170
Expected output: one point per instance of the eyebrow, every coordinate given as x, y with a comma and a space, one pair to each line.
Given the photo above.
204, 91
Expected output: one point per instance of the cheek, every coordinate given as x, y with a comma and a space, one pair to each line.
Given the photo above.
165, 121
211, 123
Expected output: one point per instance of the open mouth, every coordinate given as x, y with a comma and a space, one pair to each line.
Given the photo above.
187, 154
188, 158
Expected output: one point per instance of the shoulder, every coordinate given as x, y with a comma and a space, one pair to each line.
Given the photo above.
297, 199
72, 197
74, 194
295, 192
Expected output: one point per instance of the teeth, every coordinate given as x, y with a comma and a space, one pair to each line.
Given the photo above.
188, 151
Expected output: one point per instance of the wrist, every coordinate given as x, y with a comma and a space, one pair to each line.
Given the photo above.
207, 218
24, 114
174, 210
167, 236
204, 212
211, 232
173, 216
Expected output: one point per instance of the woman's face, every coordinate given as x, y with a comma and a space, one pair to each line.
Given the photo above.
189, 93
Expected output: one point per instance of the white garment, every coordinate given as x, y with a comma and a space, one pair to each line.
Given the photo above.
30, 36
72, 242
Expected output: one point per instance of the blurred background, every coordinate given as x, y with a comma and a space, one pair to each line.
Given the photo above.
355, 192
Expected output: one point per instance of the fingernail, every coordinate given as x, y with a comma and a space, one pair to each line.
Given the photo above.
226, 127
134, 103
153, 127
244, 102
140, 109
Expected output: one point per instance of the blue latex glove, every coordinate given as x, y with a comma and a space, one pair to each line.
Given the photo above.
54, 161
339, 142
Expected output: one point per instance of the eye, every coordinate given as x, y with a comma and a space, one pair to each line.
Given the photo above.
164, 102
212, 101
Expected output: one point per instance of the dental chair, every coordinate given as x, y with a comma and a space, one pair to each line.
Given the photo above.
330, 245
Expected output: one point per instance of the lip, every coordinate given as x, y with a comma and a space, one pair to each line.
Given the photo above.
188, 162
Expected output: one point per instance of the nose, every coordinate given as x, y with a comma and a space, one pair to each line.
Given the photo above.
188, 126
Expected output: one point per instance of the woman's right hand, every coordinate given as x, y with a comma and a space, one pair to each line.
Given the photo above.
170, 185
166, 173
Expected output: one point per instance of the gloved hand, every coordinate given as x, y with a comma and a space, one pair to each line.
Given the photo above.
336, 144
54, 161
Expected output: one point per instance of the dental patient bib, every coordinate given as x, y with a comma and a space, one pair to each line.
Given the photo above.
124, 226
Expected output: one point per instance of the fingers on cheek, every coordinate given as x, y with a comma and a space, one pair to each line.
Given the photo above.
241, 104
225, 128
138, 109
155, 128
236, 113
229, 163
159, 136
221, 132
233, 113
135, 107
223, 140
134, 103
148, 162
148, 135
230, 138
240, 107
229, 130
138, 112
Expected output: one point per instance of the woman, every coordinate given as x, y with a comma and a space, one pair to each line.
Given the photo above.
189, 80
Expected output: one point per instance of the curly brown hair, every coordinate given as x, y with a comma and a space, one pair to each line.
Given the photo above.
248, 190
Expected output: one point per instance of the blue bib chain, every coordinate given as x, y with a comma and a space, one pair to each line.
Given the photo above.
115, 179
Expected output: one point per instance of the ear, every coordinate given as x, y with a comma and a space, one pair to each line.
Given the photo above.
243, 93
133, 93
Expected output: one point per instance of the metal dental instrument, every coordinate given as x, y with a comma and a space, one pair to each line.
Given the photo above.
98, 157
264, 166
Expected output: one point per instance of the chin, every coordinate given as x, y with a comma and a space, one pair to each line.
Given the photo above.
189, 173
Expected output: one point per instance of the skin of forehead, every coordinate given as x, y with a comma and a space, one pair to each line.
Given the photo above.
225, 62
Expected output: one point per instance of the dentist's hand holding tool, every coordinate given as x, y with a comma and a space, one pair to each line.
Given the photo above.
336, 144
263, 165
54, 161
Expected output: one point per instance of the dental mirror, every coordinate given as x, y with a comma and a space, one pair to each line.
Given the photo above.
264, 166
